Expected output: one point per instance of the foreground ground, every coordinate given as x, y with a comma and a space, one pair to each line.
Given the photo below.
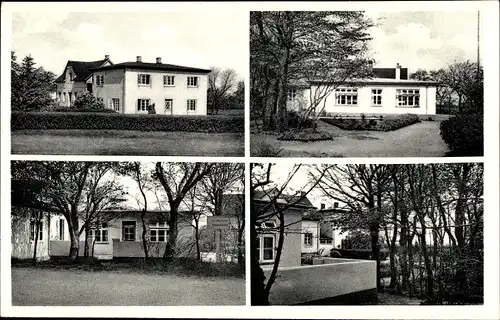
36, 287
419, 140
121, 142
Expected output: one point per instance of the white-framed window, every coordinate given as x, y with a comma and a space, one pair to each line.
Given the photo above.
144, 79
33, 225
346, 96
168, 106
191, 105
407, 98
266, 248
168, 81
308, 238
192, 81
114, 104
292, 94
128, 230
100, 232
143, 104
376, 97
325, 241
158, 231
99, 80
61, 227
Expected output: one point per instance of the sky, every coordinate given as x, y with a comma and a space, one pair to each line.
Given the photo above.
427, 40
194, 39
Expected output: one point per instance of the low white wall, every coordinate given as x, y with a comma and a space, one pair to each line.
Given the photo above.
296, 285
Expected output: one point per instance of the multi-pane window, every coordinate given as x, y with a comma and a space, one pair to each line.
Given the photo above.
100, 232
346, 96
144, 79
168, 80
191, 105
99, 80
62, 224
115, 104
376, 97
408, 98
325, 241
128, 230
308, 239
292, 94
143, 104
168, 106
265, 248
158, 231
33, 229
192, 81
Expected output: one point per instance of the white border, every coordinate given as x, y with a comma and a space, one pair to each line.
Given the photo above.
490, 309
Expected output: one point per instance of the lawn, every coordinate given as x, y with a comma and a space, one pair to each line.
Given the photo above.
37, 287
418, 140
126, 142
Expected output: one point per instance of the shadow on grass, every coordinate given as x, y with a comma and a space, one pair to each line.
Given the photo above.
179, 266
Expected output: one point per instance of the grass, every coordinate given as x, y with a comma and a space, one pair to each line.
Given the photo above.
71, 287
126, 142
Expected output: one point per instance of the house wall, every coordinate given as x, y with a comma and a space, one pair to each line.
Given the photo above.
21, 245
310, 227
157, 93
427, 100
63, 90
113, 87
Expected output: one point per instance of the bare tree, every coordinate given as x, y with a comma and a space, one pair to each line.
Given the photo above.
220, 84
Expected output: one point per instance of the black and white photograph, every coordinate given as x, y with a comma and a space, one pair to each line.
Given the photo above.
127, 233
152, 86
367, 234
366, 84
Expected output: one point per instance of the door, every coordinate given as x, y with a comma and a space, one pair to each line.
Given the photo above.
168, 106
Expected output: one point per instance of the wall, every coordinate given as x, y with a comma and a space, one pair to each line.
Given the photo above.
299, 285
427, 100
21, 245
310, 227
158, 93
112, 87
69, 86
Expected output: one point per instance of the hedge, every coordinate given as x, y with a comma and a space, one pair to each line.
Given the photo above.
464, 134
69, 109
115, 121
385, 124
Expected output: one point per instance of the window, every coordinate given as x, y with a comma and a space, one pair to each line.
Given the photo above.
61, 228
142, 104
70, 75
128, 230
100, 100
292, 94
143, 79
168, 80
158, 231
376, 97
191, 105
100, 232
346, 96
325, 241
168, 106
99, 80
115, 104
33, 226
267, 225
308, 237
407, 98
265, 248
192, 81
335, 204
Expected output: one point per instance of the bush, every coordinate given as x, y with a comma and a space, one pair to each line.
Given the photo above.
464, 134
305, 136
69, 109
384, 124
116, 121
86, 100
390, 124
260, 148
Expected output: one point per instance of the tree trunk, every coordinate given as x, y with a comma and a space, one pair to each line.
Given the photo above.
374, 235
282, 92
172, 235
427, 263
197, 238
144, 235
74, 243
86, 248
279, 249
241, 230
37, 231
403, 243
257, 278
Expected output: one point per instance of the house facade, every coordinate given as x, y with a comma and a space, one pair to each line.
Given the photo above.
75, 79
133, 87
388, 91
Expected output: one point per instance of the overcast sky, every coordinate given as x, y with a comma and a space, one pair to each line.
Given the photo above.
186, 38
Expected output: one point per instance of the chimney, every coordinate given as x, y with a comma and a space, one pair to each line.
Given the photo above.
139, 59
370, 66
158, 60
398, 71
106, 57
322, 206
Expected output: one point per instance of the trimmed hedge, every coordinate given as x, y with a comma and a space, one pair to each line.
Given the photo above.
464, 134
115, 121
306, 135
384, 124
68, 109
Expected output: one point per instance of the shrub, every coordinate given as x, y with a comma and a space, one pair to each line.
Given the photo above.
387, 124
390, 124
69, 109
464, 134
305, 136
86, 100
260, 148
116, 121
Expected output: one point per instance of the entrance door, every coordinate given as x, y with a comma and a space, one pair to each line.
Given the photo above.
168, 106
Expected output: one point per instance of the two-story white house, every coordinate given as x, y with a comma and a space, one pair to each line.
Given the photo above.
387, 91
132, 87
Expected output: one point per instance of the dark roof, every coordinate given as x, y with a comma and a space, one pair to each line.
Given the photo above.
151, 66
298, 200
81, 69
389, 73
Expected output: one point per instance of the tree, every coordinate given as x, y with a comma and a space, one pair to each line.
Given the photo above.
177, 179
220, 84
86, 100
30, 86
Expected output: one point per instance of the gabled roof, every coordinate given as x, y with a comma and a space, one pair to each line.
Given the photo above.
81, 69
151, 66
287, 199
